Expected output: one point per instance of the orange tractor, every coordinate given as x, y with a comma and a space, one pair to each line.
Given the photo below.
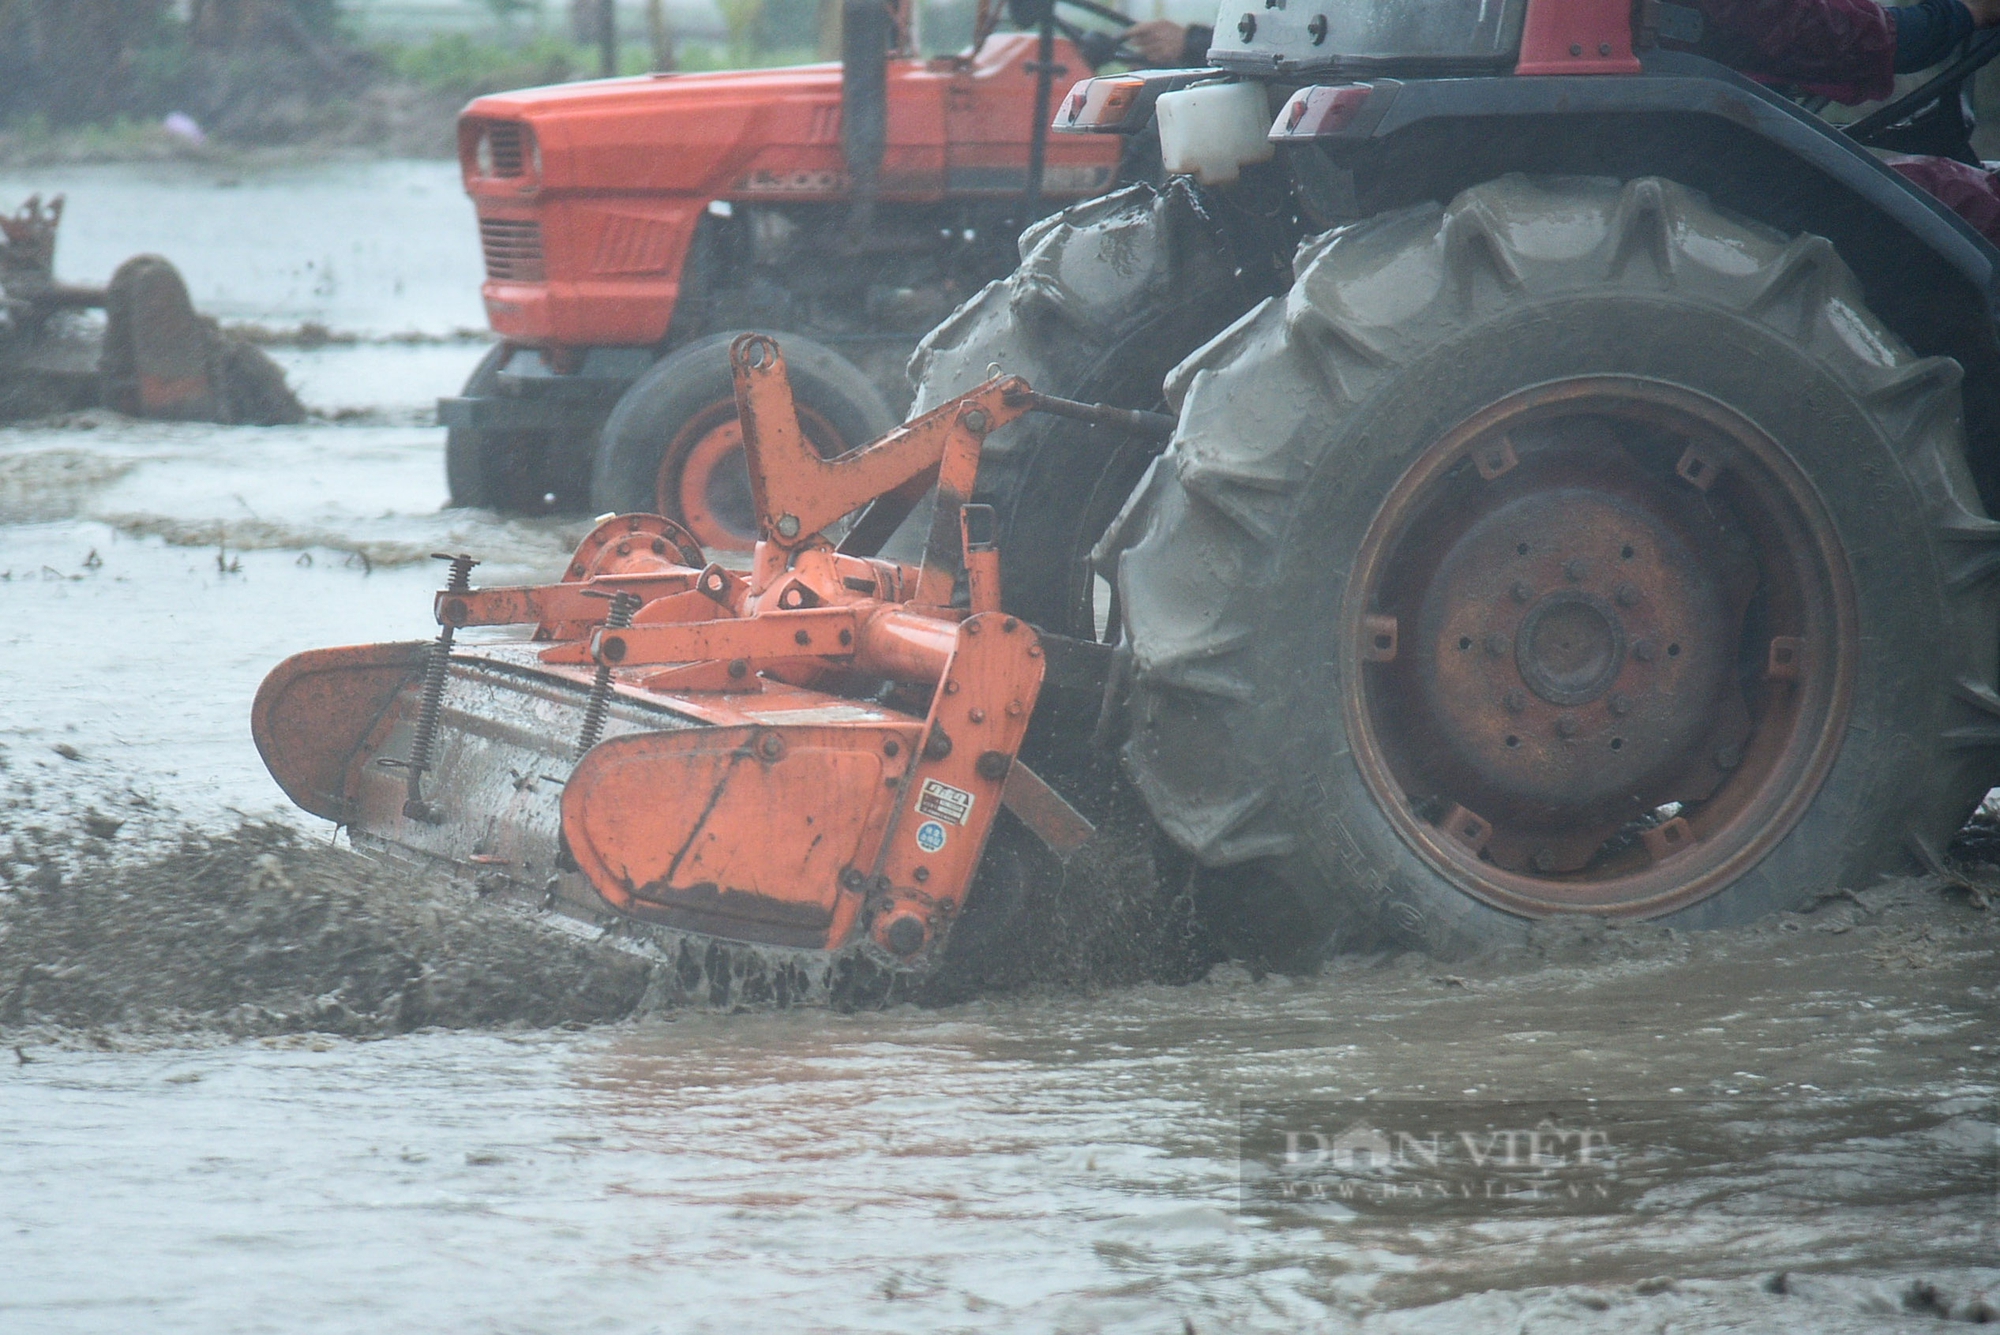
632, 227
1515, 467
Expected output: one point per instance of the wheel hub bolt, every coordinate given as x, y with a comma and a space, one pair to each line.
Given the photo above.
1496, 645
1521, 591
1627, 595
1567, 726
1576, 568
1643, 651
1621, 704
1516, 701
1728, 757
1544, 859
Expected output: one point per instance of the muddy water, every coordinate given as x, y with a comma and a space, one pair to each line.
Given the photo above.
1053, 1163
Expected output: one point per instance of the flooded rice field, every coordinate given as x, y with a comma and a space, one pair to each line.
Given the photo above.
250, 1082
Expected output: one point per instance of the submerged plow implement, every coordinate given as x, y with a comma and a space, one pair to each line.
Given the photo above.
809, 754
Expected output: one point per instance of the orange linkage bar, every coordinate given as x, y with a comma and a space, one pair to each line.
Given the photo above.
892, 813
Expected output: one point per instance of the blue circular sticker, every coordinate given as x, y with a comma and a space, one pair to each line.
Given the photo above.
930, 836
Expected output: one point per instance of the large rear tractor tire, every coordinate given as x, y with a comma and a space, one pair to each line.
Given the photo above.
1573, 548
672, 446
1110, 295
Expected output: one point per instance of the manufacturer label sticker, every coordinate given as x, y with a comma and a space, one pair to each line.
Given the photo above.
944, 802
930, 836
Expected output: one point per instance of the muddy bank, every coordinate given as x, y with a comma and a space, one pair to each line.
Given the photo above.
259, 930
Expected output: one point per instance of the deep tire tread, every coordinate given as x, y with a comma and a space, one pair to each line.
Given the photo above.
1204, 544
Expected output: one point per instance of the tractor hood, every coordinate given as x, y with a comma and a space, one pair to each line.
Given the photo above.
704, 133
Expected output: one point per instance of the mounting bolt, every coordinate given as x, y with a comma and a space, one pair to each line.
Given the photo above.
975, 421
771, 746
853, 878
1627, 595
904, 934
992, 765
1576, 569
1521, 591
1567, 726
788, 526
1620, 704
1728, 757
738, 669
1516, 701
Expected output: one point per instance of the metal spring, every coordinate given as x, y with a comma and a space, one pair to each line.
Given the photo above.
436, 668
623, 605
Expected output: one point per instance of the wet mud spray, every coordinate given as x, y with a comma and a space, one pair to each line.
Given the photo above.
113, 920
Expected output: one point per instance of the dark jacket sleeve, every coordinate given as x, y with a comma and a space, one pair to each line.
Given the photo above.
1927, 31
1845, 49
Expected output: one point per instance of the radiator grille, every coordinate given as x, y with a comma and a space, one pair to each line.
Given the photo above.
513, 250
507, 140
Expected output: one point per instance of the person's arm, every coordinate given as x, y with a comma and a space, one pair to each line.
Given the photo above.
1164, 44
1845, 48
1928, 30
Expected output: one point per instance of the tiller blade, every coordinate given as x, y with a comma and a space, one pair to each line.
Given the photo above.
809, 754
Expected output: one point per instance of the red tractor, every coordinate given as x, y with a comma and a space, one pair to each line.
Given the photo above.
632, 227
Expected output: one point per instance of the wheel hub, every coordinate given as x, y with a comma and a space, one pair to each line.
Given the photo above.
1569, 648
1574, 646
704, 479
1603, 638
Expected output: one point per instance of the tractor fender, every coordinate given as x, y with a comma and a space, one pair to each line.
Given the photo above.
1676, 82
1925, 272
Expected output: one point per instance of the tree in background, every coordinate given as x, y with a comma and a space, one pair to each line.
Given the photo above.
72, 60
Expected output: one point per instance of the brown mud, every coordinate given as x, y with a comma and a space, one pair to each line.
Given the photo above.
260, 931
114, 916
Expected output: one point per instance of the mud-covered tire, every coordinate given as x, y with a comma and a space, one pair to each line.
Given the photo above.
493, 470
1241, 558
1110, 294
659, 424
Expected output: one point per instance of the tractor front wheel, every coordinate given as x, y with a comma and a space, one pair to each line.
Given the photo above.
672, 446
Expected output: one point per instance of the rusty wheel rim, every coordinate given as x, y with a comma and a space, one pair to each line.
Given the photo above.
1604, 639
705, 483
